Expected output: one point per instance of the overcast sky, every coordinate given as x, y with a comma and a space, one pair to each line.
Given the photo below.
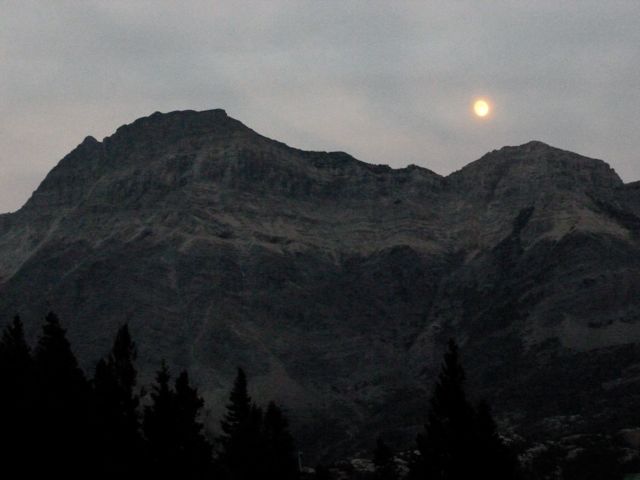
389, 82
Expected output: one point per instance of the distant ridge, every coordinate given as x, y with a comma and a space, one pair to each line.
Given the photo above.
336, 283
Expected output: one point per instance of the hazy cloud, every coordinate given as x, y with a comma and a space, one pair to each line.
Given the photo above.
389, 82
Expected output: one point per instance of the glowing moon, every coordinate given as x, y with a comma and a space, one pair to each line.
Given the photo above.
481, 107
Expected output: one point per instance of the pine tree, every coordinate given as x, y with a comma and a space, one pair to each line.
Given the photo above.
63, 405
238, 409
280, 458
159, 427
193, 446
16, 364
176, 443
13, 346
242, 454
448, 433
459, 442
55, 360
116, 411
16, 397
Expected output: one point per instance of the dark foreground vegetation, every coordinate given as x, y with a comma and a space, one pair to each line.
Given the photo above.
55, 422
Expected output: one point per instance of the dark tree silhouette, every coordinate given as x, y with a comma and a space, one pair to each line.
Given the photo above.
177, 447
116, 404
238, 409
447, 444
14, 347
243, 453
194, 449
55, 423
56, 363
63, 416
459, 442
16, 397
159, 426
280, 452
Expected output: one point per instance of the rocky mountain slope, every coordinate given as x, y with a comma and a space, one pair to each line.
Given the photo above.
334, 282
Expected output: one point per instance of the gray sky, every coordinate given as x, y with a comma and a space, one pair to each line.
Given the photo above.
389, 82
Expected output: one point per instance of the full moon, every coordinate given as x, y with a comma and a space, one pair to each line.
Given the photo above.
481, 108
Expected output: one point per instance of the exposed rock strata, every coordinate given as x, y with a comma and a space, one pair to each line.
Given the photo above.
335, 282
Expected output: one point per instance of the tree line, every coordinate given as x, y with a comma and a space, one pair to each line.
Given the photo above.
55, 421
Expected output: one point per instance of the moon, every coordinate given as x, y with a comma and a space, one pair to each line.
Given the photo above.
481, 107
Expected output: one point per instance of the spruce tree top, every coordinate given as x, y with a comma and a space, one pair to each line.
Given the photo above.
239, 406
13, 344
54, 355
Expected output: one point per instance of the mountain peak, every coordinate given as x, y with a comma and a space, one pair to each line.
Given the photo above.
89, 140
225, 248
163, 128
536, 165
165, 153
533, 145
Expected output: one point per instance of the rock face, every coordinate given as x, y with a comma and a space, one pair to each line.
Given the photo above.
335, 283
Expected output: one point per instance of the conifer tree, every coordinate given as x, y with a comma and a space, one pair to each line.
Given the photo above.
193, 446
14, 347
63, 405
242, 454
16, 397
55, 360
447, 441
159, 426
238, 409
177, 446
459, 442
116, 406
280, 458
16, 365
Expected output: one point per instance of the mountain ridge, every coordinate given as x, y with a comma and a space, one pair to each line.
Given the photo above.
191, 123
334, 282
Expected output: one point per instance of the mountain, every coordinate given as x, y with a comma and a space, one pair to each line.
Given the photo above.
336, 283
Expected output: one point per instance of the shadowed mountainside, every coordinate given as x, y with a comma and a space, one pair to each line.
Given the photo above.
335, 283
